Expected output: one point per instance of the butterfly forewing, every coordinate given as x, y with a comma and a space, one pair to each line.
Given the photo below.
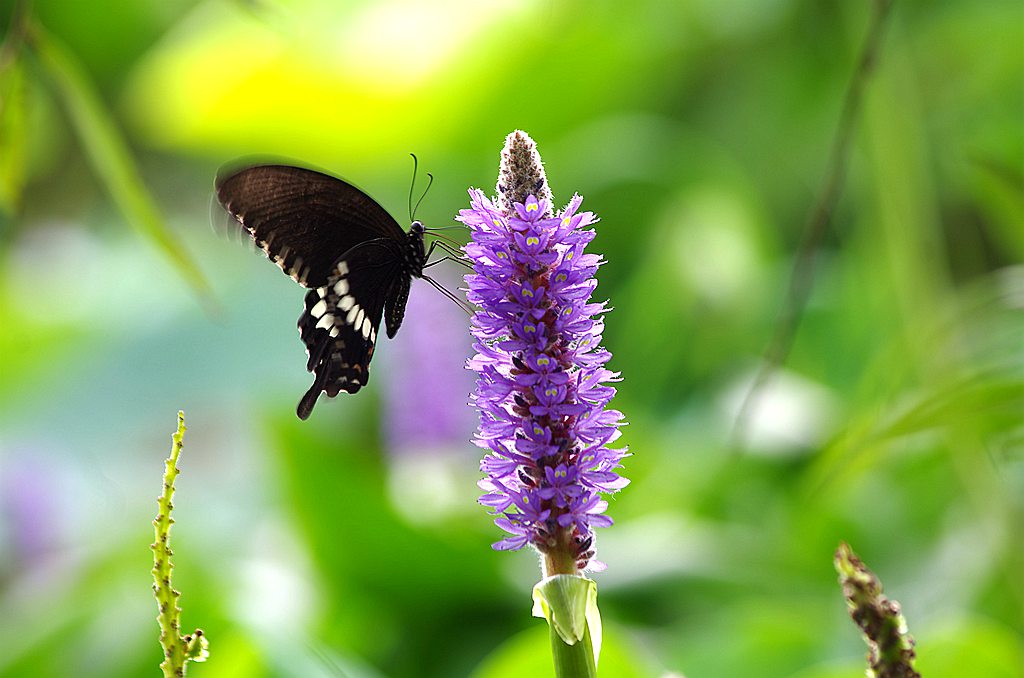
303, 219
353, 256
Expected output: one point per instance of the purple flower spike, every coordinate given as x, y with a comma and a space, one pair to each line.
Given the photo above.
542, 390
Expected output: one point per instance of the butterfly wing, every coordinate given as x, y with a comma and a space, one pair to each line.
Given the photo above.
394, 304
303, 219
342, 317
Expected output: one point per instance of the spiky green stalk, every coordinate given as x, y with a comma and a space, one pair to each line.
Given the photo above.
178, 649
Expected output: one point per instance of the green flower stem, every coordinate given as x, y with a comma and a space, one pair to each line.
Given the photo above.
569, 603
573, 661
178, 649
561, 558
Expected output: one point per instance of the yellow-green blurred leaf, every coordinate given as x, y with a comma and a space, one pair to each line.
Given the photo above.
970, 647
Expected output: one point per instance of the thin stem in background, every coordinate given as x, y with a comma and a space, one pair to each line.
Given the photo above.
802, 277
11, 45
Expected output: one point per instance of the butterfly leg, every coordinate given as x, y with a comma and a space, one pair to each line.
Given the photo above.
451, 254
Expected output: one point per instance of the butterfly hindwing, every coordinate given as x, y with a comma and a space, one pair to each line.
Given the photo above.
394, 304
341, 318
303, 219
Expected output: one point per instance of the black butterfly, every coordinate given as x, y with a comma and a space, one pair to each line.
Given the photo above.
335, 240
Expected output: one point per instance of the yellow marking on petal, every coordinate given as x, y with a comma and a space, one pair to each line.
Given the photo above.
568, 256
543, 360
565, 221
502, 255
497, 223
527, 293
561, 277
532, 207
533, 240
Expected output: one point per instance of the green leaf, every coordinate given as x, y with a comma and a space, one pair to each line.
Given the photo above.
998, 189
972, 646
12, 135
109, 155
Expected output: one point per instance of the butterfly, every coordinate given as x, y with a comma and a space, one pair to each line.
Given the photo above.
340, 244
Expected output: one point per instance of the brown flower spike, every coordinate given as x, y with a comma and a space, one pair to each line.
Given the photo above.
890, 646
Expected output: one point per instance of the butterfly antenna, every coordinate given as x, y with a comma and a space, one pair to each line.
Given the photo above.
415, 166
429, 184
451, 295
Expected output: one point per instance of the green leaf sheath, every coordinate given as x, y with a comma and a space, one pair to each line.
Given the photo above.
569, 603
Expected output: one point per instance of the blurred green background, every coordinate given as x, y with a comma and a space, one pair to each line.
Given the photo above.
351, 544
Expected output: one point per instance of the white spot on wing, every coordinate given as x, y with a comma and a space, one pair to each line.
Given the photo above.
334, 331
342, 268
326, 322
346, 302
350, 318
341, 287
359, 319
318, 309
